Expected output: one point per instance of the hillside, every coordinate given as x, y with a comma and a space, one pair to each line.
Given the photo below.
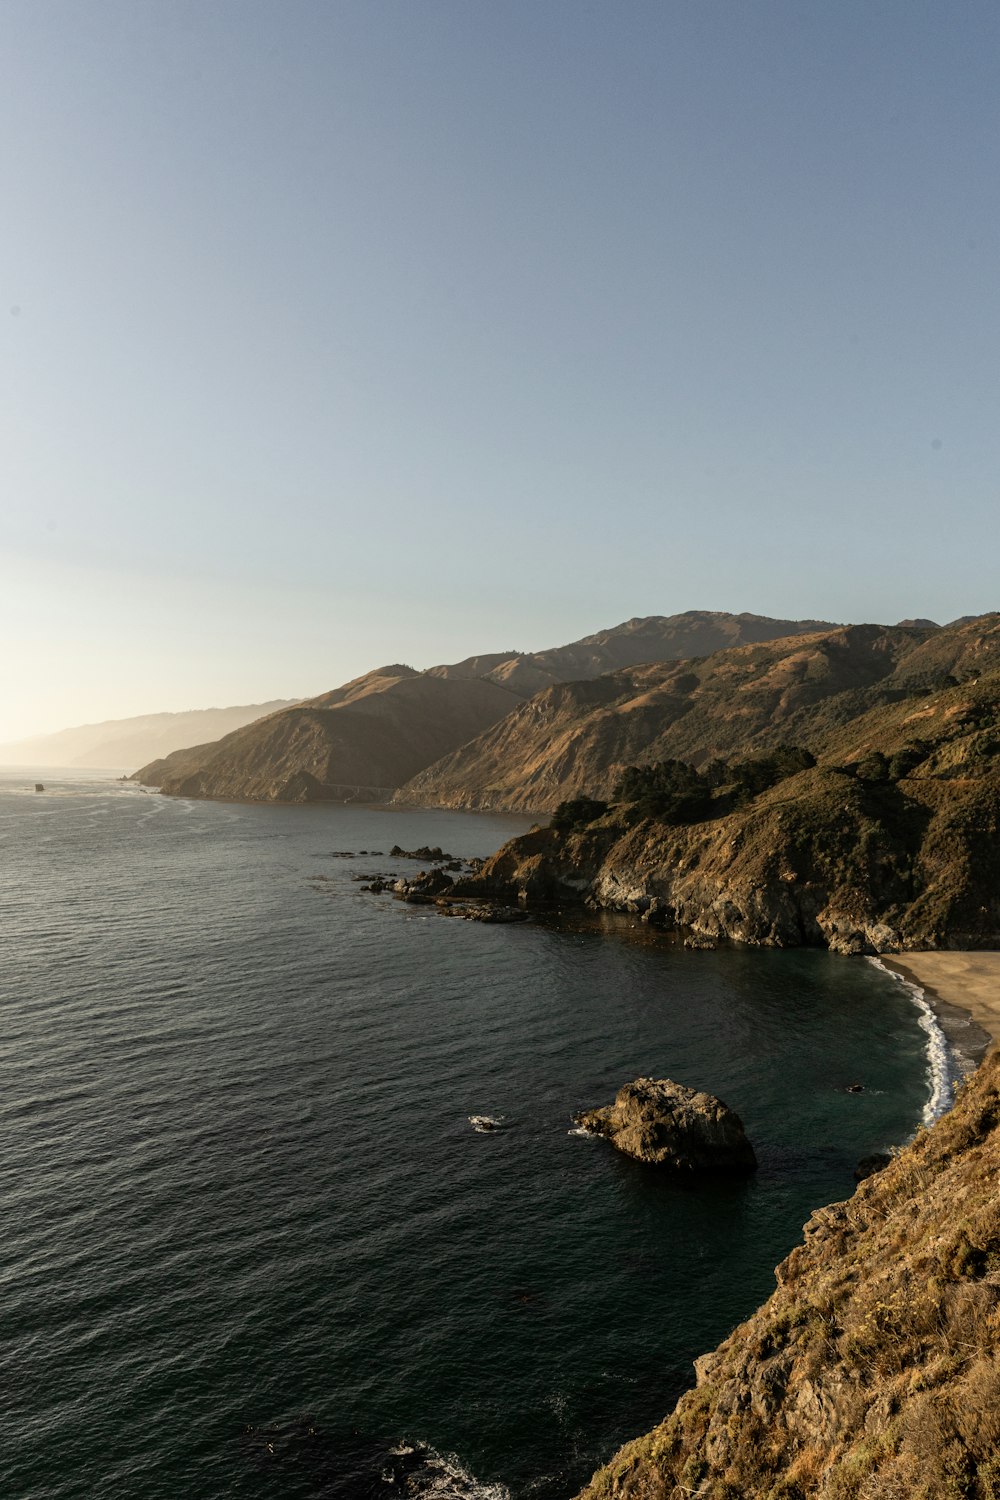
890, 841
636, 642
379, 746
873, 1373
574, 739
358, 740
121, 743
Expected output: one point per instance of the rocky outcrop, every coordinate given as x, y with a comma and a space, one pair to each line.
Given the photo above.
666, 1124
837, 856
873, 1372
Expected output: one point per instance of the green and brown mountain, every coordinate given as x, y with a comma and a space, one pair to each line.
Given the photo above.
648, 638
575, 738
884, 835
377, 732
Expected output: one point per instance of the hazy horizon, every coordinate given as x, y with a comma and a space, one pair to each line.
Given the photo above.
333, 336
264, 703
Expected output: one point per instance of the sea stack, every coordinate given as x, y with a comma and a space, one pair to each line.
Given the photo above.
669, 1125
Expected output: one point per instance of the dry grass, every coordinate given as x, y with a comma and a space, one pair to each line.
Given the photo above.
873, 1373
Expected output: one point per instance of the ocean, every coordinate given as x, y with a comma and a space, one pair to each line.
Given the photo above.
252, 1245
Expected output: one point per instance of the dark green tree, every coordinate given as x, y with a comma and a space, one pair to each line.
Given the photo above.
577, 813
669, 790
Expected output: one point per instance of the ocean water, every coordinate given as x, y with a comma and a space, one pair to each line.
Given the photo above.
252, 1245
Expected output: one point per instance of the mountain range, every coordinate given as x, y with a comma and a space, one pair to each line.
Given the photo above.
124, 743
877, 832
381, 730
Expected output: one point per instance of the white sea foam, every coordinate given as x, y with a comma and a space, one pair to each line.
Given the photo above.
590, 1135
484, 1124
442, 1476
939, 1071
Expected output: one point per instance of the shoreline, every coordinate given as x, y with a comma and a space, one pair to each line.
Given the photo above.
963, 981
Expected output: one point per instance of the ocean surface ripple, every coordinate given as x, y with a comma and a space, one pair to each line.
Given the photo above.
253, 1244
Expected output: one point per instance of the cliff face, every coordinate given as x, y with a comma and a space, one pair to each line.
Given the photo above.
826, 856
873, 1373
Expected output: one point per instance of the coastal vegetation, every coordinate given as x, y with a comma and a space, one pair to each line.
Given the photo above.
873, 1372
880, 836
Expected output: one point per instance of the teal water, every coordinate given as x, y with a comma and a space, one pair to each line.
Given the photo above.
240, 1189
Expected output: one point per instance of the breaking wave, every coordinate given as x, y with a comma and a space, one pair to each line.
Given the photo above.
442, 1476
940, 1068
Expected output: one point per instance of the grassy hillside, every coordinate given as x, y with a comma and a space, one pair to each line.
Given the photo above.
575, 739
873, 1373
647, 638
372, 733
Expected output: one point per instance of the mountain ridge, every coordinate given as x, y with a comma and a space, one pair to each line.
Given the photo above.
355, 742
332, 760
574, 739
883, 836
128, 742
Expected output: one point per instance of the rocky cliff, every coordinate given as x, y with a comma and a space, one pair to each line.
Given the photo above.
873, 1373
889, 842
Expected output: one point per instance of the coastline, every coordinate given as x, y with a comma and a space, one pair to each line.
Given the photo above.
958, 997
965, 981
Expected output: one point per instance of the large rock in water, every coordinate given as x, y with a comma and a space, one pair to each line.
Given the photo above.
666, 1124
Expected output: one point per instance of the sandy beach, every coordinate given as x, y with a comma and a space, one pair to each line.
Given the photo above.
968, 980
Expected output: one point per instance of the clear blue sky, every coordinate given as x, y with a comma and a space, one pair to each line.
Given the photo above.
361, 330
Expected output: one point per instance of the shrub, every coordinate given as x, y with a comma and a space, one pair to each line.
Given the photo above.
906, 760
669, 790
577, 813
747, 778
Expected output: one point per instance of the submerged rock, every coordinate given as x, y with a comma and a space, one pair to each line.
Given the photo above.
489, 913
667, 1124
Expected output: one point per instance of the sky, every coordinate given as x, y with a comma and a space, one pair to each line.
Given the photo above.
341, 332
